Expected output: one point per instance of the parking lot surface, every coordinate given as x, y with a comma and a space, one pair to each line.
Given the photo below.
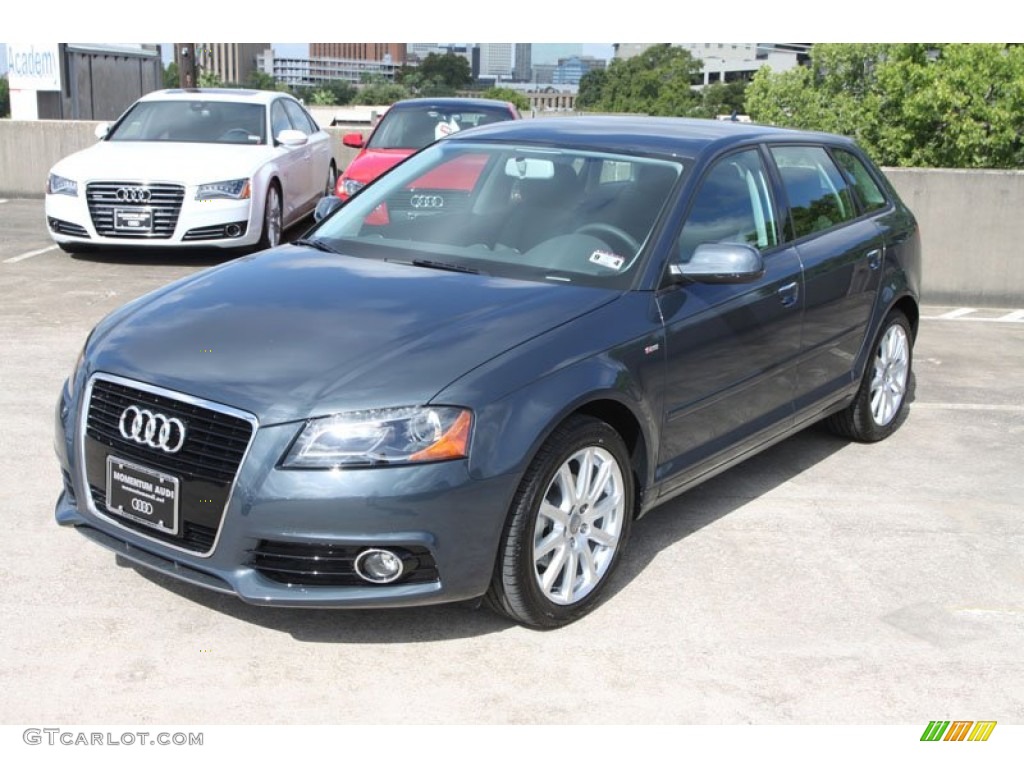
820, 582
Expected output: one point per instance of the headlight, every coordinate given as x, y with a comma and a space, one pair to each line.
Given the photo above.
235, 189
351, 186
58, 185
380, 437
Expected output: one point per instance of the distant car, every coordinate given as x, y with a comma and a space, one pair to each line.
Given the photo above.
193, 167
410, 125
425, 406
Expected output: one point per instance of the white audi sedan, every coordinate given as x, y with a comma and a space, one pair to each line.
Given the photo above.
193, 167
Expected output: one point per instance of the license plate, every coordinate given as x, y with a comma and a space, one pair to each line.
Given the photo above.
143, 495
133, 220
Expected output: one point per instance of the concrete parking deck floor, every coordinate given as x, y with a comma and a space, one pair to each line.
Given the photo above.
820, 582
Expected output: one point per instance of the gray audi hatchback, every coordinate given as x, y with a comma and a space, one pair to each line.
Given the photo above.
474, 376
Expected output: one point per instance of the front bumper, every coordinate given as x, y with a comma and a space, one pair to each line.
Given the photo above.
200, 224
436, 508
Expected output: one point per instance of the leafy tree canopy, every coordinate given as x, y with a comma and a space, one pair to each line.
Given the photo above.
5, 97
449, 69
172, 77
508, 94
935, 105
657, 82
381, 94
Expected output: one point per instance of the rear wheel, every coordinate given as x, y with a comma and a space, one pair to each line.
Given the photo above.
567, 528
881, 402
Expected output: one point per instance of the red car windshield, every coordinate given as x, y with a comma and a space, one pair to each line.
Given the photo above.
415, 128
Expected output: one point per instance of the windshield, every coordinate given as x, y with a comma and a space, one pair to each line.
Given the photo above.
532, 213
208, 122
415, 127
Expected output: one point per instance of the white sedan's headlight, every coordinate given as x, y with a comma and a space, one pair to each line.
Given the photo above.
234, 189
382, 437
58, 185
351, 186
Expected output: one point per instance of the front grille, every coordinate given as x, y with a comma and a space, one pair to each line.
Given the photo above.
206, 465
62, 227
164, 203
216, 232
331, 565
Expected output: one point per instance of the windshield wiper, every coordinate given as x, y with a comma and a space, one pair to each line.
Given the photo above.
445, 265
313, 242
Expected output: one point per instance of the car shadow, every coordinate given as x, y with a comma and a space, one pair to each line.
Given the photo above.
660, 529
177, 257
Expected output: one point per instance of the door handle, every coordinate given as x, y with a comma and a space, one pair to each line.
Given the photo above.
874, 257
789, 294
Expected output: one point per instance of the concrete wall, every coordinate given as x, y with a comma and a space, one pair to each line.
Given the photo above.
972, 233
972, 222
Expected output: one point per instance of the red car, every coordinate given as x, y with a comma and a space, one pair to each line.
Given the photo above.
410, 125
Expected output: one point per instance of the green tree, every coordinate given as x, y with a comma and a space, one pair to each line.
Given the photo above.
450, 69
722, 99
938, 105
420, 84
508, 94
172, 77
657, 82
5, 97
591, 89
209, 79
261, 81
381, 94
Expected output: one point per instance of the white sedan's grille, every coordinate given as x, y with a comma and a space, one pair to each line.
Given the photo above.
162, 200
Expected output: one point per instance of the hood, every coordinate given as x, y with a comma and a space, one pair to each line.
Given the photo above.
293, 332
162, 161
371, 163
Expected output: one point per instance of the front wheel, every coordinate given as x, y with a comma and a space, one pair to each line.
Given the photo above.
881, 402
567, 528
272, 224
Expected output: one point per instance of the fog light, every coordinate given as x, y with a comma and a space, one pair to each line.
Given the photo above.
233, 230
378, 566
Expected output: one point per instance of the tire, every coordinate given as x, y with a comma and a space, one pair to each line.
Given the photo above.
272, 219
881, 402
556, 556
332, 180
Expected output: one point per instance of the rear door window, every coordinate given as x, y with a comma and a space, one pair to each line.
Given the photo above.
819, 195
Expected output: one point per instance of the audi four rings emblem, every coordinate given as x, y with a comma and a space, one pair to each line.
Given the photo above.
145, 507
152, 429
134, 195
426, 201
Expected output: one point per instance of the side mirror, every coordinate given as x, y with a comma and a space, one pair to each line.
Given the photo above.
326, 207
292, 138
354, 140
720, 263
102, 130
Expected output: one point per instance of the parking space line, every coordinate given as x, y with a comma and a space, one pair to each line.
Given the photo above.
967, 407
954, 314
967, 314
29, 255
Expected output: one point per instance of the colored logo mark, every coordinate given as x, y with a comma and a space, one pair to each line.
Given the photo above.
958, 730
